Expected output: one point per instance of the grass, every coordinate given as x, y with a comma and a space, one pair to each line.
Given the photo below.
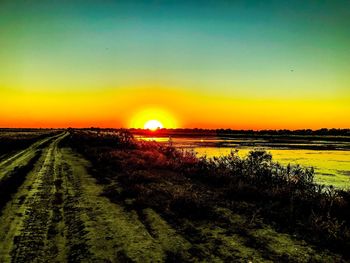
12, 181
14, 140
111, 231
227, 208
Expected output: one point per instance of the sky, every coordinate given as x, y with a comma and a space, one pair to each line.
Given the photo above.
209, 64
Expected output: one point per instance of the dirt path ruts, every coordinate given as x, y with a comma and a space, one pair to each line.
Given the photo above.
97, 230
30, 244
59, 215
100, 230
24, 219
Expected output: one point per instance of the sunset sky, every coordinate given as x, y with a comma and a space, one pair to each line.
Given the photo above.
210, 64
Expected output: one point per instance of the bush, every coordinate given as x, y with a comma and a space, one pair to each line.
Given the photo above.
177, 184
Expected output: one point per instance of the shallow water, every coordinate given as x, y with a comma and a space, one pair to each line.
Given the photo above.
332, 167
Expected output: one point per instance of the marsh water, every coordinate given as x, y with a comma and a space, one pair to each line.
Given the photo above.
330, 159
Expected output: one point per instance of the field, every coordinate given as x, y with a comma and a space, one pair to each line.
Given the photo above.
91, 196
327, 151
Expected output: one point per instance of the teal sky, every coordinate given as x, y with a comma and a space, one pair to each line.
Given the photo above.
260, 47
245, 50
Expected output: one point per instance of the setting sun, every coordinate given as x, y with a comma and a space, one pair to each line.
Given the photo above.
153, 125
153, 118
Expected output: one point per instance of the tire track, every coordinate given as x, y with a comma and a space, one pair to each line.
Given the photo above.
77, 247
22, 157
10, 184
30, 244
101, 231
23, 223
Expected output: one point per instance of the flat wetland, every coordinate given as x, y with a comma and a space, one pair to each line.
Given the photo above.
329, 156
92, 195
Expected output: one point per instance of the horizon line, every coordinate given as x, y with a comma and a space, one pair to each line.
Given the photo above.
178, 128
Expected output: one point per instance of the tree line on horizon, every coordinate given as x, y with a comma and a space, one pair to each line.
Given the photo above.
218, 132
323, 131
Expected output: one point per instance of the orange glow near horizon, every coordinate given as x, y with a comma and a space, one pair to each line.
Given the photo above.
174, 108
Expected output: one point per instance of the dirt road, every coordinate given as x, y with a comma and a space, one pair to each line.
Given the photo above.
58, 215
